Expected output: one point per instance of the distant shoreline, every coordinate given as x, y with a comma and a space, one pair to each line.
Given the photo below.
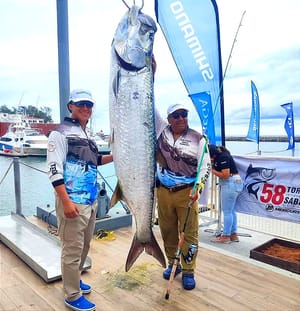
262, 138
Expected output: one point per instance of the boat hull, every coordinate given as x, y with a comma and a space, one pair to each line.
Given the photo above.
35, 152
12, 153
23, 139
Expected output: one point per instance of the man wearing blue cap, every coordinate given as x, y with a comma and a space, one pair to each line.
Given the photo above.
72, 159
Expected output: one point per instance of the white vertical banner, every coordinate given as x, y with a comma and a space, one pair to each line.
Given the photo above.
271, 187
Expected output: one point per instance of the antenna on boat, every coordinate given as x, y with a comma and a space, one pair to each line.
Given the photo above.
38, 100
21, 107
21, 98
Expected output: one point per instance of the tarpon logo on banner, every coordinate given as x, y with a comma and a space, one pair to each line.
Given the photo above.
256, 177
270, 187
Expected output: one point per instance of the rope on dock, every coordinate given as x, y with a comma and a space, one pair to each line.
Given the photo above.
51, 229
34, 168
10, 165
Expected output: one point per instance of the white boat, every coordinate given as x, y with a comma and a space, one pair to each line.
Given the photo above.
103, 145
10, 151
11, 146
21, 138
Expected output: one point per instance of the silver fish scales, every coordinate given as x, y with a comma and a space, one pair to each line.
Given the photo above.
132, 127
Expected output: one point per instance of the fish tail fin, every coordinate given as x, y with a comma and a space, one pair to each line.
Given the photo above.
151, 248
154, 250
136, 249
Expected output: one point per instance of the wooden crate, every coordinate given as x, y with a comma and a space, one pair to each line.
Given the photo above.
258, 254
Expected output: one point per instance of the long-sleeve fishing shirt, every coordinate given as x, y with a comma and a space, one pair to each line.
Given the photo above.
178, 160
72, 159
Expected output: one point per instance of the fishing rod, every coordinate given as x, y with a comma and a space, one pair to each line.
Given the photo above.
230, 53
181, 239
218, 98
233, 44
226, 67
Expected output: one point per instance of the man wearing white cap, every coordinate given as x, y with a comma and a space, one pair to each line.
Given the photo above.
72, 159
180, 150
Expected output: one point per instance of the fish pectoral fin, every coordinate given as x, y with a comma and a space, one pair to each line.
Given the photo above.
116, 83
116, 196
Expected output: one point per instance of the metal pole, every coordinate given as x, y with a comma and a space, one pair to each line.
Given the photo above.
215, 199
63, 56
218, 194
17, 186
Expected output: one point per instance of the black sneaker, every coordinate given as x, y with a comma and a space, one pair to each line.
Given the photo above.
167, 272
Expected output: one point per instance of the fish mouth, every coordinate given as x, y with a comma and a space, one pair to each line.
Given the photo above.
136, 53
133, 41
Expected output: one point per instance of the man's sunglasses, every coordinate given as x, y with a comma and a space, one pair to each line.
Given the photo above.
82, 103
177, 115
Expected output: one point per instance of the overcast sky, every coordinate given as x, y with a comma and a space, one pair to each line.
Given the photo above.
267, 51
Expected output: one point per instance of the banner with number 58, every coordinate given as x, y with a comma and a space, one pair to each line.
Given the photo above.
271, 187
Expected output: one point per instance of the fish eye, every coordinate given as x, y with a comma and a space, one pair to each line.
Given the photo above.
144, 29
151, 36
266, 173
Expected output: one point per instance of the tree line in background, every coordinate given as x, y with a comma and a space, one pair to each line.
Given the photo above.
32, 111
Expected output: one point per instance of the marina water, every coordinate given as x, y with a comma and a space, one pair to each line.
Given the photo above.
36, 190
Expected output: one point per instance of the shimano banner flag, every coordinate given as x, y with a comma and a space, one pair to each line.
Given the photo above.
191, 28
253, 131
289, 124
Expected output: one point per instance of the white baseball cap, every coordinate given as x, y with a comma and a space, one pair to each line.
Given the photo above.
175, 107
81, 95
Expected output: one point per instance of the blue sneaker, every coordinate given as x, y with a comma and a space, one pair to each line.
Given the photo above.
80, 304
188, 281
85, 288
167, 272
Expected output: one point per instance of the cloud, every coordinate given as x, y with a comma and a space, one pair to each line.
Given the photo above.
266, 51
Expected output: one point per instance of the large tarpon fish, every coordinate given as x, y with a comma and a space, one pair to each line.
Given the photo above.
132, 127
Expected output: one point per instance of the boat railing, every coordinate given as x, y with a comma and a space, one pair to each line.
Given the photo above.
210, 213
16, 163
24, 237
